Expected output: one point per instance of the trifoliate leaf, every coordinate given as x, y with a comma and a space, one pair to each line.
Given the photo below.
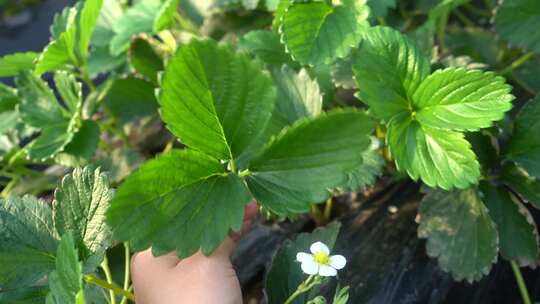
131, 98
165, 18
71, 46
144, 60
299, 166
39, 108
520, 181
514, 21
462, 100
182, 200
65, 281
266, 46
459, 232
518, 236
316, 33
524, 146
388, 68
214, 100
28, 241
364, 175
285, 273
13, 64
441, 158
80, 203
139, 18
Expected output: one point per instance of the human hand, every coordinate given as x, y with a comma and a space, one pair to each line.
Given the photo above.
196, 280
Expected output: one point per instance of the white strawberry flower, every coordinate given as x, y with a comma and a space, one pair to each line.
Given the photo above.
320, 261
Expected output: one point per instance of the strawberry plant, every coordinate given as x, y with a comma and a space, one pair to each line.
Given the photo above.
164, 119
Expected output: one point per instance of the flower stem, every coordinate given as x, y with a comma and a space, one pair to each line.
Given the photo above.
328, 210
91, 279
127, 269
517, 63
107, 271
304, 287
521, 283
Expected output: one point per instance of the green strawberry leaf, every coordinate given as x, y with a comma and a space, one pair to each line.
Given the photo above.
461, 100
266, 46
82, 147
70, 47
9, 116
285, 273
379, 8
65, 281
316, 33
388, 68
79, 207
520, 181
13, 64
28, 295
279, 12
224, 99
110, 12
459, 232
28, 241
524, 145
101, 61
131, 98
514, 21
182, 200
518, 236
299, 166
441, 158
165, 18
144, 60
69, 89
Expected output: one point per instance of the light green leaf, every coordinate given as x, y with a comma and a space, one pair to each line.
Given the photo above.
144, 60
9, 116
285, 273
87, 21
518, 236
131, 98
316, 33
342, 73
224, 99
52, 140
462, 100
279, 12
139, 18
299, 166
441, 158
70, 90
65, 281
11, 65
266, 46
341, 296
515, 20
80, 203
28, 241
165, 18
101, 61
524, 145
181, 200
388, 68
110, 12
459, 232
520, 181
28, 295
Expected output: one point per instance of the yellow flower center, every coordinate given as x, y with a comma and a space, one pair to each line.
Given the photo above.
321, 258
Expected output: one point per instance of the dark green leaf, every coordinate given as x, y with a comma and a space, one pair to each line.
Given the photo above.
518, 237
459, 232
29, 295
144, 60
521, 182
439, 157
266, 46
82, 147
80, 203
316, 33
170, 202
215, 100
11, 65
515, 21
366, 174
388, 68
70, 90
379, 8
524, 146
285, 273
299, 166
131, 98
101, 61
28, 241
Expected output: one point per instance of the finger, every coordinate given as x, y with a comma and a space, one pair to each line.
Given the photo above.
146, 260
251, 211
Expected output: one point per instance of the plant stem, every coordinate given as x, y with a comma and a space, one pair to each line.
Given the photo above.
328, 210
304, 287
127, 268
521, 283
91, 279
107, 271
517, 63
463, 18
7, 189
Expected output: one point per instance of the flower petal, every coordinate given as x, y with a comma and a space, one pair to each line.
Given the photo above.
319, 247
310, 267
327, 271
338, 261
304, 257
